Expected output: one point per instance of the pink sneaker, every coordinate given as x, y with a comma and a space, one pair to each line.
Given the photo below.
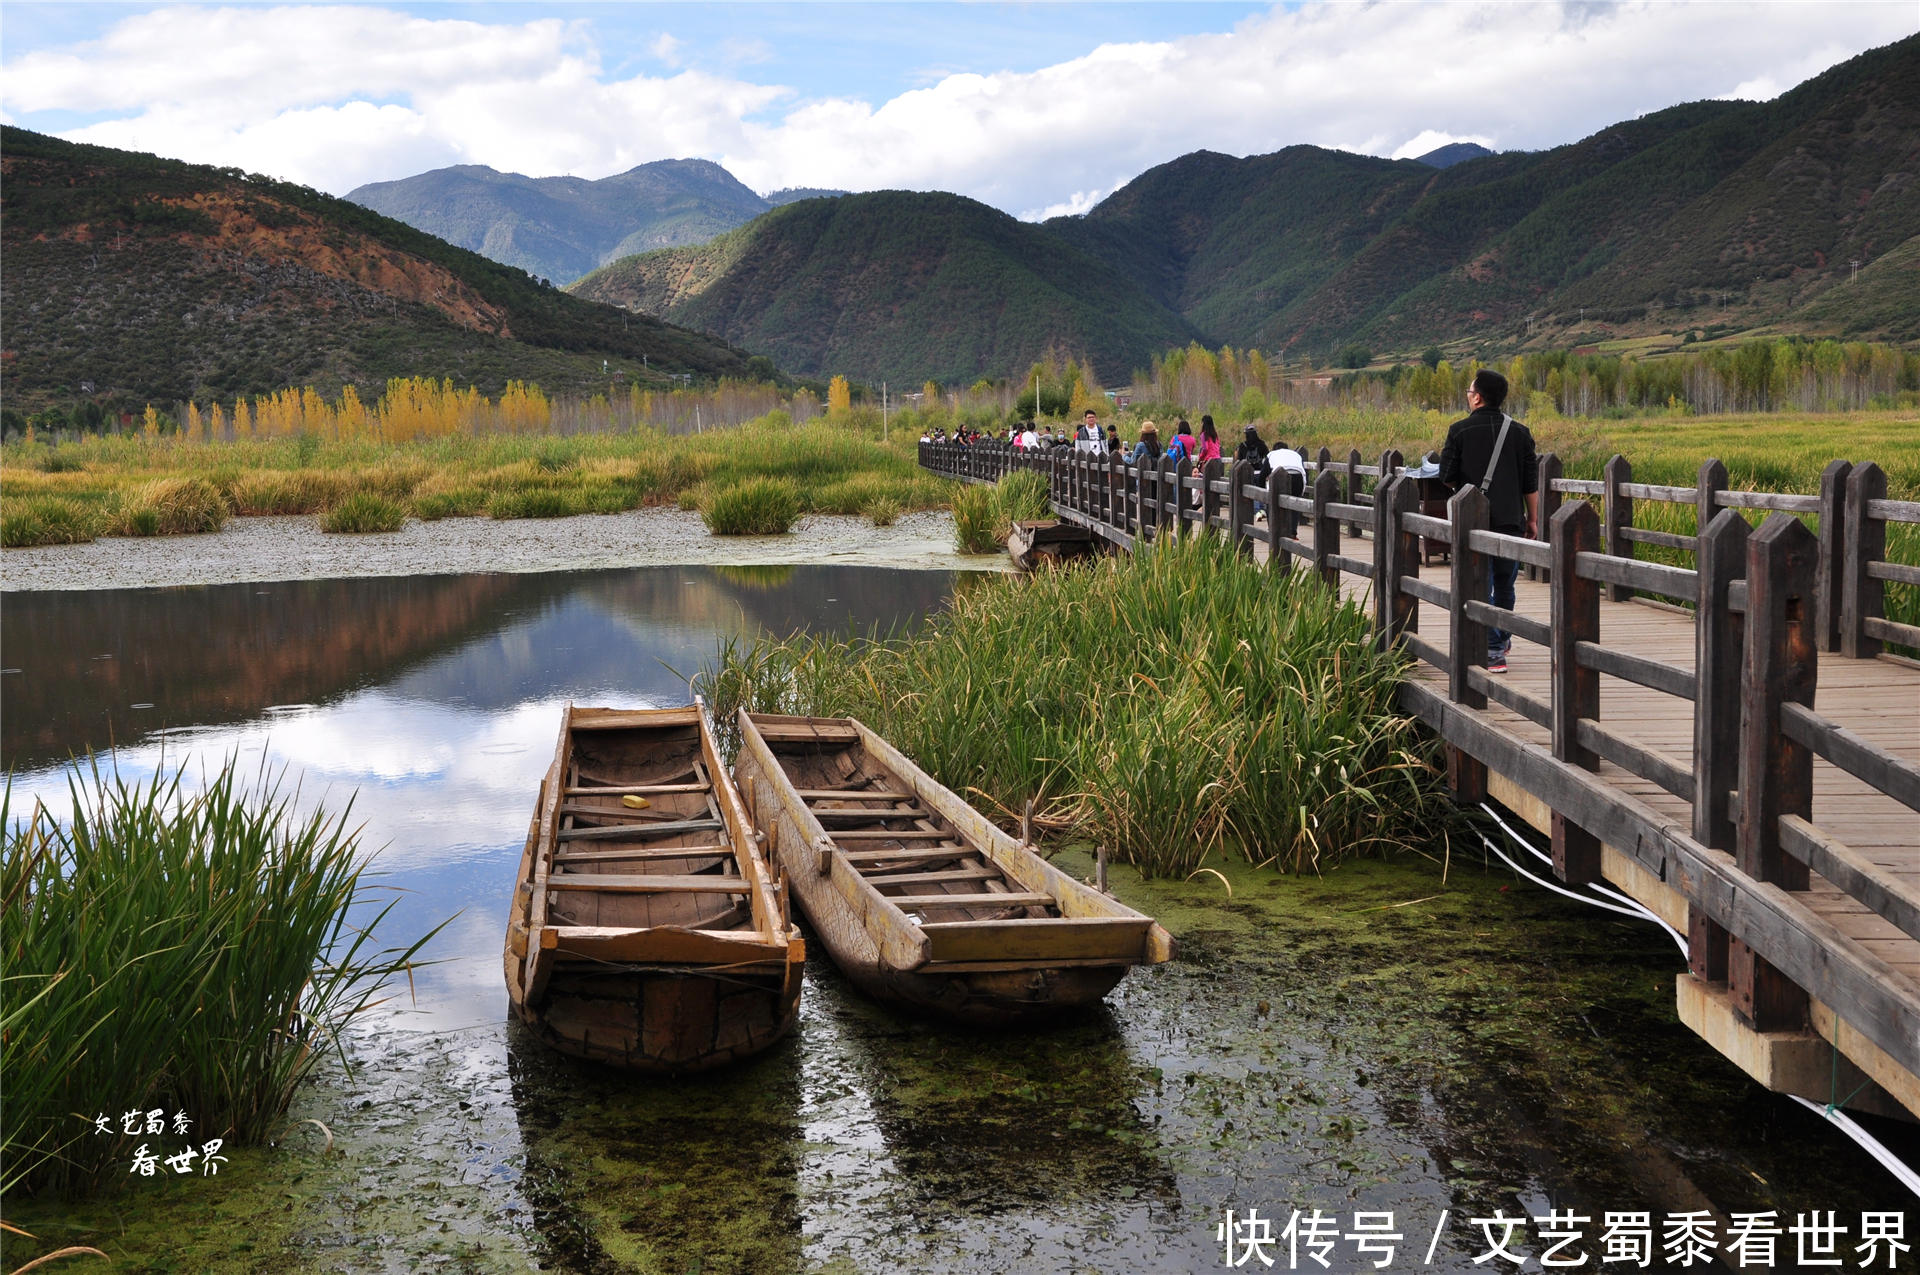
1497, 663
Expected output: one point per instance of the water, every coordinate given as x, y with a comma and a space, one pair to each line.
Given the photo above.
1487, 1046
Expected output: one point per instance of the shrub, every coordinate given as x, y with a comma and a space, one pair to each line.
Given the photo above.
362, 512
1022, 496
173, 507
882, 511
536, 502
45, 520
757, 507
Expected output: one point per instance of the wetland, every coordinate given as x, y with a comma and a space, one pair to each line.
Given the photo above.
1419, 1032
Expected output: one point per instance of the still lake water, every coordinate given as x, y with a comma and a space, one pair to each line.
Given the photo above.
1318, 1043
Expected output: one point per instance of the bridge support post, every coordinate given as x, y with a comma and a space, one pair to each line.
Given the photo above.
1719, 642
1833, 549
1277, 489
1617, 514
1326, 528
1240, 509
1395, 610
1575, 618
1353, 487
1389, 463
1780, 666
1861, 596
1466, 637
1548, 472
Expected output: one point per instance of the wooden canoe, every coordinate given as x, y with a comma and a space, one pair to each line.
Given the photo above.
1049, 541
653, 939
918, 897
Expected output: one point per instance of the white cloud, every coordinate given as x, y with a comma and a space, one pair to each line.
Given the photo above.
336, 96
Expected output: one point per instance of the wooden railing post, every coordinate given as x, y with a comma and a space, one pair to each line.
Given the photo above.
1326, 528
1833, 549
1546, 471
1182, 517
1239, 508
1708, 483
1353, 487
1395, 610
1719, 650
1466, 637
1389, 462
1278, 486
1576, 618
1780, 666
1861, 596
1210, 473
1617, 514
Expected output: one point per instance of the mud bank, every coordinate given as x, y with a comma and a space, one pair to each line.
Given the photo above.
269, 549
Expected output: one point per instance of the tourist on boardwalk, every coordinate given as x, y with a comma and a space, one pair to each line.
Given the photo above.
1029, 438
1283, 457
1147, 450
1088, 439
1208, 446
1254, 451
1495, 452
1180, 446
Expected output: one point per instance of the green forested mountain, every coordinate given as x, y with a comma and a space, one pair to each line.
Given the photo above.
559, 228
1306, 249
131, 278
897, 285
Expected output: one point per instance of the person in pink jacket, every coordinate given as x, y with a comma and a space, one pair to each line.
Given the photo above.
1208, 446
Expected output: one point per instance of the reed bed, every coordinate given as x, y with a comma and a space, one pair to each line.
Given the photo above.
171, 950
108, 485
1164, 706
983, 516
756, 507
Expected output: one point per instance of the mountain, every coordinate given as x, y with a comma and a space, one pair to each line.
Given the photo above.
1306, 249
1448, 156
897, 285
136, 278
559, 228
794, 194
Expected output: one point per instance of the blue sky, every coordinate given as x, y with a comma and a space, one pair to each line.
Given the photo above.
1035, 108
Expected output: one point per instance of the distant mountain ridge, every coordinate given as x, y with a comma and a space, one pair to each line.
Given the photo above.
1451, 154
559, 228
897, 285
132, 278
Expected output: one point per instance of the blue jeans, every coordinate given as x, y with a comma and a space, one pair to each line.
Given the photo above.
1500, 576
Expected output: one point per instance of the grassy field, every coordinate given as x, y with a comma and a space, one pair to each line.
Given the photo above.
139, 485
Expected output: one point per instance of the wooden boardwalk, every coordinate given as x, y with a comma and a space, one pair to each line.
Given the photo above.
1624, 731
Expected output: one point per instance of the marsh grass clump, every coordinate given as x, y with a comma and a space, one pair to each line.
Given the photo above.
983, 516
173, 507
535, 502
171, 949
756, 507
362, 512
46, 520
882, 511
1163, 706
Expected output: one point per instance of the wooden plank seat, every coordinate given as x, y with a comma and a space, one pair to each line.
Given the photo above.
628, 883
645, 832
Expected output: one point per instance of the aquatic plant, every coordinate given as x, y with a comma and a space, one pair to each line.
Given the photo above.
756, 507
975, 511
535, 503
364, 511
172, 507
882, 511
1161, 705
45, 520
174, 951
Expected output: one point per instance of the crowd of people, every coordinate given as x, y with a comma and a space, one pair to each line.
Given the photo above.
1487, 449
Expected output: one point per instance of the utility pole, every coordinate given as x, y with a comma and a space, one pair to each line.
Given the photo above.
883, 411
1855, 277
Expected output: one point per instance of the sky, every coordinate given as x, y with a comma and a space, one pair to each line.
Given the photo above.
1037, 109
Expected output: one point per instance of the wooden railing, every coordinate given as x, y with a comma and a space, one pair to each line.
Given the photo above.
1765, 601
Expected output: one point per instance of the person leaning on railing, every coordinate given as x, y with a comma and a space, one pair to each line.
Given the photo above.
1254, 451
1491, 449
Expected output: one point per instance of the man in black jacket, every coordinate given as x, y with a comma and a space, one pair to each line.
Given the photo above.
1495, 452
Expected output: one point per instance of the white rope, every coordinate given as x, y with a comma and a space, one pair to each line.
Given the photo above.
1633, 908
1888, 1160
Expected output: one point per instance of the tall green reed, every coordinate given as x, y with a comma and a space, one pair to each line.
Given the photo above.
196, 952
1164, 705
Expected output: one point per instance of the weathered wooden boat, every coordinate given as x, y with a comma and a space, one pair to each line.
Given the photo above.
652, 938
918, 897
1031, 544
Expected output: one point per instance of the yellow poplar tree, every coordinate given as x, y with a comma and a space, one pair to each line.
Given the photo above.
929, 397
150, 426
839, 395
216, 421
193, 422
